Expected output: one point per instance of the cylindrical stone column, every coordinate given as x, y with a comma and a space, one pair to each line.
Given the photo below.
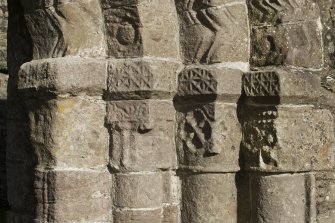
142, 36
214, 38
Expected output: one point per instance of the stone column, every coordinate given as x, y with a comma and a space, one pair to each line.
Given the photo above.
58, 151
214, 37
288, 128
142, 43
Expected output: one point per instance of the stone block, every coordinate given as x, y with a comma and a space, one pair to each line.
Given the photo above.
209, 80
325, 196
69, 132
62, 28
171, 214
283, 85
141, 78
287, 138
131, 31
142, 135
55, 190
3, 86
70, 75
263, 12
137, 216
282, 198
138, 190
211, 198
171, 188
298, 45
213, 32
208, 137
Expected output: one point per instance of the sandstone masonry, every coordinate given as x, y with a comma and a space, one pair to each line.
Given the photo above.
171, 111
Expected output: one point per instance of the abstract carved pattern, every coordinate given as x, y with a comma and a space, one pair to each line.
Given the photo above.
197, 81
129, 77
271, 10
122, 24
132, 114
259, 134
196, 130
261, 84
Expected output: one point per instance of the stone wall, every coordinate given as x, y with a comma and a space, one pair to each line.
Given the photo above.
171, 111
3, 98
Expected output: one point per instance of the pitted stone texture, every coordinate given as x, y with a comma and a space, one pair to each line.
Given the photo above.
290, 44
141, 78
3, 86
55, 190
282, 198
72, 75
208, 137
137, 216
59, 28
63, 134
212, 31
138, 190
287, 138
289, 86
263, 12
3, 34
327, 19
212, 198
132, 31
209, 80
325, 196
142, 134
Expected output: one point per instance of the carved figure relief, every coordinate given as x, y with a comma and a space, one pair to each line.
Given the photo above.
197, 81
202, 26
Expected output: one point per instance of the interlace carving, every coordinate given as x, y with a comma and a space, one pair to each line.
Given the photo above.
197, 81
197, 129
261, 84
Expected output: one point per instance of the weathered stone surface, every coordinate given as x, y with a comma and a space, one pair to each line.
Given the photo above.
325, 196
54, 192
213, 32
171, 214
208, 137
138, 190
287, 138
291, 44
211, 198
141, 78
131, 31
282, 11
59, 28
327, 19
72, 75
290, 86
137, 216
3, 35
65, 135
142, 134
210, 80
282, 198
